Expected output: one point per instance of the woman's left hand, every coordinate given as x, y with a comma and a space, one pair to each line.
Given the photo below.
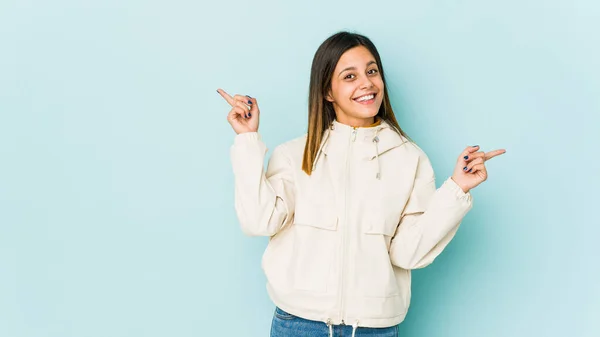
470, 169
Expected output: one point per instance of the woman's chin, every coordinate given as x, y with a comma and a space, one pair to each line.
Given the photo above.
368, 113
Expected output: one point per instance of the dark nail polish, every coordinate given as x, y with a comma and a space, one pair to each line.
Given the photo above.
464, 168
475, 145
249, 114
248, 96
466, 157
470, 170
249, 102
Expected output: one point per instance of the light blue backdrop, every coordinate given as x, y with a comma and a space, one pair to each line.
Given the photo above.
116, 197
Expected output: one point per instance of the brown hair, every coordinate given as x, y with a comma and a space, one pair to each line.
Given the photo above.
320, 111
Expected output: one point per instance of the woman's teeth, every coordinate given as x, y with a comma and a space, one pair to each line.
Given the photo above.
365, 98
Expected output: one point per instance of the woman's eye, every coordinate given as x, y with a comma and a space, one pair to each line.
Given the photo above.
372, 71
349, 76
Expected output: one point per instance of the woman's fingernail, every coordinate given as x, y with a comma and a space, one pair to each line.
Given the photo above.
249, 102
475, 145
248, 96
249, 114
466, 157
464, 168
470, 170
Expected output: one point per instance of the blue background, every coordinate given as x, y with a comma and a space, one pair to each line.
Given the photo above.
116, 196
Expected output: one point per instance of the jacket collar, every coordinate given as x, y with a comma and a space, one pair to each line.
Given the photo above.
383, 133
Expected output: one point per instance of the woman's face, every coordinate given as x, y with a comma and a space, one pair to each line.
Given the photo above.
356, 88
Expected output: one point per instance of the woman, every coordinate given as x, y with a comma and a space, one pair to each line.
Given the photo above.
351, 207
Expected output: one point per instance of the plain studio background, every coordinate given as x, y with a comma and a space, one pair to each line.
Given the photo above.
116, 191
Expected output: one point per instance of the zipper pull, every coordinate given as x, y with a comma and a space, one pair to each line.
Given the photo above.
354, 135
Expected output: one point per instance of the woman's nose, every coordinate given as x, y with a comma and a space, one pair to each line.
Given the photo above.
366, 84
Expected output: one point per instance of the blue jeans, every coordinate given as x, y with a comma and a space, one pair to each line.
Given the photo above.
288, 325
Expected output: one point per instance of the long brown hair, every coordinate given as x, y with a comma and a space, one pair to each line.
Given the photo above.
320, 111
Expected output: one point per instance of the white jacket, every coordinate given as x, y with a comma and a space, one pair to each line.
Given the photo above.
343, 240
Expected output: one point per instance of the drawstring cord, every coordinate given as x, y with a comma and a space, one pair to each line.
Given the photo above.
376, 141
354, 327
330, 326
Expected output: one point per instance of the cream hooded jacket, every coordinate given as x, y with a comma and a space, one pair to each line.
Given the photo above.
344, 239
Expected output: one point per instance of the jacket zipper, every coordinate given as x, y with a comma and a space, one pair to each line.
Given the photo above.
345, 229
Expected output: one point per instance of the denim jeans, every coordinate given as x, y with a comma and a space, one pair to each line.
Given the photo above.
288, 325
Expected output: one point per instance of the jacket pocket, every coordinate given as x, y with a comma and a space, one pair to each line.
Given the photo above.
315, 233
382, 225
384, 216
378, 276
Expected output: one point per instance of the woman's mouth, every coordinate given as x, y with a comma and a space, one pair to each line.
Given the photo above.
365, 99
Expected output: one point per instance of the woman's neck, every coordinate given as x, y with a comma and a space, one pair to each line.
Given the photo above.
360, 122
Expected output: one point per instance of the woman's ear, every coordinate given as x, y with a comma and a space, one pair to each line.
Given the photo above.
328, 97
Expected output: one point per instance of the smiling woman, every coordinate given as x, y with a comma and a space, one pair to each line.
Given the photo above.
351, 207
360, 84
346, 69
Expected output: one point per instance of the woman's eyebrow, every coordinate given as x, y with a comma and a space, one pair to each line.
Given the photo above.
354, 68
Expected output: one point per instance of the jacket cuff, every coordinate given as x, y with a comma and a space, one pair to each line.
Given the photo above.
246, 137
456, 190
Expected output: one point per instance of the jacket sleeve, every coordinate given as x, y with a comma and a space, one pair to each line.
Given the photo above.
429, 220
264, 202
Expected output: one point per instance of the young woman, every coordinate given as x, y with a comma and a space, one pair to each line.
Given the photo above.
351, 207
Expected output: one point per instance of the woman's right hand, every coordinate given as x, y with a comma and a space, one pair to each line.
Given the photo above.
244, 112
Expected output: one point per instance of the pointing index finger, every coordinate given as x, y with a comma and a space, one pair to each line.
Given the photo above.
492, 154
226, 96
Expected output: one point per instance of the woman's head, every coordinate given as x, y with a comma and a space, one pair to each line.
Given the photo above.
356, 87
347, 84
